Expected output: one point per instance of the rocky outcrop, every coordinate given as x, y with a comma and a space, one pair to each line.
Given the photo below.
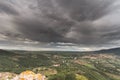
7, 75
26, 75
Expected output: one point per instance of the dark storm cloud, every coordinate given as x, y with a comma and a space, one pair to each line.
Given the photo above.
86, 9
8, 9
38, 31
86, 22
76, 26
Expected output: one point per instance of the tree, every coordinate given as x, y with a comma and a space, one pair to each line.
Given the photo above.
70, 76
58, 76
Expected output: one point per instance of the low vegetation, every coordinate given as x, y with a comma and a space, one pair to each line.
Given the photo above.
62, 65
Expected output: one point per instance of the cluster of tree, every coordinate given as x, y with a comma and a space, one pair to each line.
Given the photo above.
68, 76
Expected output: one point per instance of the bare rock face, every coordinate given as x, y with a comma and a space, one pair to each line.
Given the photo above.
26, 75
7, 75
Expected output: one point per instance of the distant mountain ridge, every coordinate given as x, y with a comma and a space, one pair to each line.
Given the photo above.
112, 50
5, 52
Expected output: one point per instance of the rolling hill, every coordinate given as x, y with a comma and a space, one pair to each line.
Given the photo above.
98, 65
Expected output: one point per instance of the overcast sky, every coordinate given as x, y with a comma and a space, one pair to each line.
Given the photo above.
76, 25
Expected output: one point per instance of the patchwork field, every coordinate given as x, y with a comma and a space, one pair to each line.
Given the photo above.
62, 65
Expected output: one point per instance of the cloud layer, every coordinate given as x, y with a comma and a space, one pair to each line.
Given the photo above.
82, 22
